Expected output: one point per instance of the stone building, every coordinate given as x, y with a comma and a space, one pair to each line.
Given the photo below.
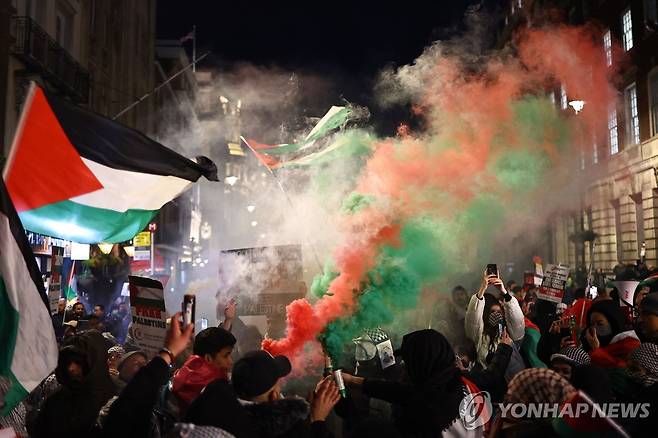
620, 201
97, 53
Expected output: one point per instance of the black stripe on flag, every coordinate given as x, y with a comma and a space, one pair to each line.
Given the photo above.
18, 234
112, 144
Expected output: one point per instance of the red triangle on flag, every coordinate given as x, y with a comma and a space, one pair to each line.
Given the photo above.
44, 167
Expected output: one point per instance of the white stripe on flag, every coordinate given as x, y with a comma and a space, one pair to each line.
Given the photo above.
126, 190
35, 352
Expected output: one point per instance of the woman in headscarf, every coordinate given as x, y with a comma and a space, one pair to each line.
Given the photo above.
428, 406
605, 339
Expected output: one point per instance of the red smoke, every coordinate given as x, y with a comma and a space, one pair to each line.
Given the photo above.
415, 175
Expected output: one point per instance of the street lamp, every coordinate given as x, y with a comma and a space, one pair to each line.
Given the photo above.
106, 248
130, 250
250, 208
577, 105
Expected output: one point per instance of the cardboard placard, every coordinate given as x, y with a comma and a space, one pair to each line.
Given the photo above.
553, 283
149, 315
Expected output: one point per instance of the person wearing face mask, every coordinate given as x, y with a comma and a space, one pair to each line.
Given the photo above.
642, 371
604, 338
486, 317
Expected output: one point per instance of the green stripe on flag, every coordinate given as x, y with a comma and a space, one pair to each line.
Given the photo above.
335, 118
8, 334
72, 221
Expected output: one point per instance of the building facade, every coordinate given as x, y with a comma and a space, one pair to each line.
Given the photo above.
96, 53
619, 217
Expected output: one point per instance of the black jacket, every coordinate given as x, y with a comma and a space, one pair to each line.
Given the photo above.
131, 414
492, 379
285, 418
418, 412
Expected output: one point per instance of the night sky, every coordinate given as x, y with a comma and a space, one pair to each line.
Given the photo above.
346, 42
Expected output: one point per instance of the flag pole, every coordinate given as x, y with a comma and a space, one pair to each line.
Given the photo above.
155, 90
194, 49
292, 206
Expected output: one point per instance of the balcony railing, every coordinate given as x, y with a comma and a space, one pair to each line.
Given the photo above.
46, 57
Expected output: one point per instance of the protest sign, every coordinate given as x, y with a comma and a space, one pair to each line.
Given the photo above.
626, 291
553, 283
55, 283
149, 316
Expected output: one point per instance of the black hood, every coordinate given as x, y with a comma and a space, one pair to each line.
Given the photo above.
89, 345
429, 359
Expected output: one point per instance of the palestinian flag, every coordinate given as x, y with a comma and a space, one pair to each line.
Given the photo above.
29, 350
530, 343
71, 288
305, 152
77, 175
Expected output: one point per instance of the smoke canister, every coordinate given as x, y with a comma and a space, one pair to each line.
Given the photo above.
338, 378
328, 366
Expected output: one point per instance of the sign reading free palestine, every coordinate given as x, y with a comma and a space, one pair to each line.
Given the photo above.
149, 316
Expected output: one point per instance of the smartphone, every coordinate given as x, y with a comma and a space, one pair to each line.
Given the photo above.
500, 329
492, 269
189, 304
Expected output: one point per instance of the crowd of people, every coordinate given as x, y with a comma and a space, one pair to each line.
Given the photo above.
502, 344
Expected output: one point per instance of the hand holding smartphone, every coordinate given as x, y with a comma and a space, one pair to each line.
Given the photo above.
188, 308
492, 269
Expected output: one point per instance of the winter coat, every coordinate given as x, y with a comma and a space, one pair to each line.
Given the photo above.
73, 408
287, 417
131, 414
639, 394
195, 374
420, 411
492, 379
474, 325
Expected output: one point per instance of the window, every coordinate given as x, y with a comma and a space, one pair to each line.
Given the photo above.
632, 117
563, 97
651, 11
595, 150
639, 220
607, 46
653, 101
64, 18
582, 158
612, 130
627, 30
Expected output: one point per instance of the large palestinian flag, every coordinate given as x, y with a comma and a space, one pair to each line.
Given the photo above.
28, 350
77, 175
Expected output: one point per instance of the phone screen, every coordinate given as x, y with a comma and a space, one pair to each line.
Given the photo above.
492, 269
